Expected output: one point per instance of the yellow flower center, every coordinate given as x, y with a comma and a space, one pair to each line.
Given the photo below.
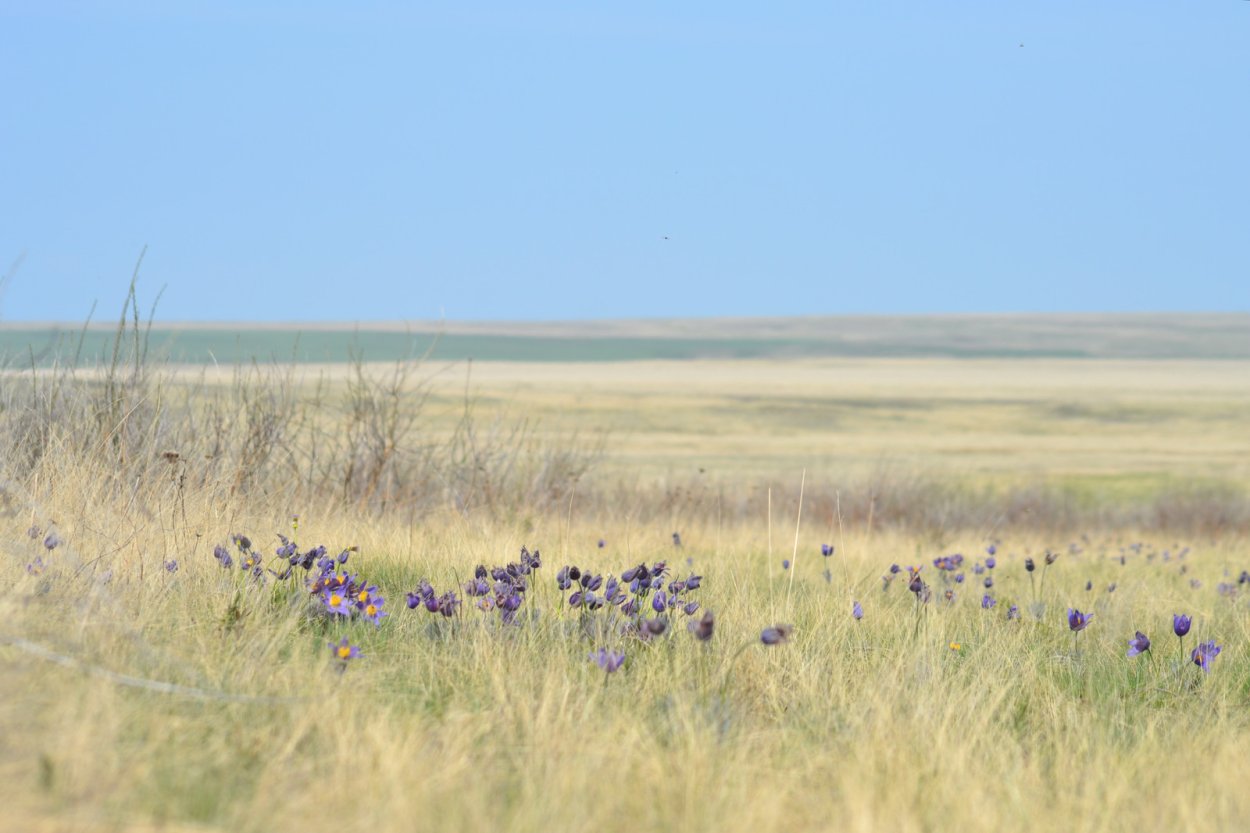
955, 646
335, 600
363, 596
345, 651
371, 610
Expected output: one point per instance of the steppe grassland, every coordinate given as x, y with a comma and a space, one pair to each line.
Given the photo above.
875, 724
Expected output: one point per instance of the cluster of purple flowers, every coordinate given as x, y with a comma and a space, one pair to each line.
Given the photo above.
499, 588
426, 596
344, 595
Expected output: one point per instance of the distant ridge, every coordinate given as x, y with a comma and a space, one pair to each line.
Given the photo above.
1015, 335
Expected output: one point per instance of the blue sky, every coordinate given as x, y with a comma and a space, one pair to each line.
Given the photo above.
355, 161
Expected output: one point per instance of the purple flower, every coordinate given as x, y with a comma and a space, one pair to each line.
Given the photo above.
1013, 612
959, 578
52, 541
223, 557
602, 543
776, 635
1181, 624
36, 567
988, 601
1139, 644
857, 610
609, 661
826, 550
785, 563
689, 608
344, 651
1029, 565
991, 562
703, 628
372, 610
894, 569
171, 566
989, 582
336, 601
659, 602
1205, 654
991, 550
676, 539
1078, 620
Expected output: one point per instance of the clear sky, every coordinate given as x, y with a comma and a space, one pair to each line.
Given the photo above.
539, 160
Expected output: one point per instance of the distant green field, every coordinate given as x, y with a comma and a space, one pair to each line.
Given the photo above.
1154, 336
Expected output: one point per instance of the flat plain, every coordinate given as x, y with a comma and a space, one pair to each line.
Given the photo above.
162, 674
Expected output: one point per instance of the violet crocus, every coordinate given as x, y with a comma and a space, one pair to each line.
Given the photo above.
344, 651
1181, 624
776, 635
1077, 620
703, 628
609, 661
1139, 644
1205, 654
857, 610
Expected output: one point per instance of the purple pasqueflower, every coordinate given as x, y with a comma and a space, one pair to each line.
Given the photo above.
36, 567
959, 578
171, 566
785, 563
659, 602
1077, 620
602, 543
689, 608
991, 550
857, 610
372, 610
895, 569
1181, 624
344, 651
1013, 612
609, 661
1139, 644
826, 550
336, 601
989, 582
676, 539
988, 601
223, 556
52, 541
703, 628
776, 635
991, 562
1205, 654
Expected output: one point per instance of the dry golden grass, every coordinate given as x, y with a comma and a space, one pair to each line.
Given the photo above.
447, 725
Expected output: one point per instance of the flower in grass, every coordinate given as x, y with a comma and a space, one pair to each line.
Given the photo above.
344, 651
689, 608
223, 557
337, 602
895, 569
36, 567
1205, 654
52, 541
785, 563
857, 610
955, 646
991, 562
776, 635
649, 628
34, 532
988, 601
989, 582
659, 602
602, 543
702, 629
676, 539
609, 661
242, 542
1013, 612
171, 566
1089, 585
1051, 557
1181, 624
959, 578
826, 550
990, 550
1077, 620
1139, 644
1029, 565
372, 610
